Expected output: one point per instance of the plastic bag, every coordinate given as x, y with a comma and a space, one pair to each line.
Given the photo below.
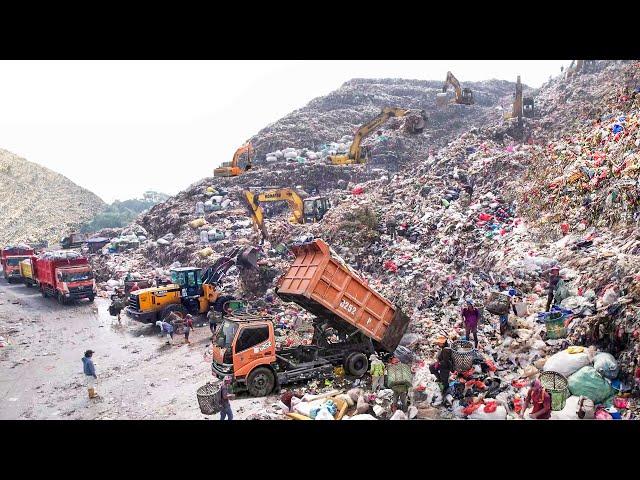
500, 413
398, 415
324, 414
362, 406
589, 383
606, 365
566, 363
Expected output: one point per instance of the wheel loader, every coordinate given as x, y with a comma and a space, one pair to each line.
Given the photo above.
192, 289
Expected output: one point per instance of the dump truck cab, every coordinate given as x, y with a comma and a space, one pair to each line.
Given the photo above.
12, 267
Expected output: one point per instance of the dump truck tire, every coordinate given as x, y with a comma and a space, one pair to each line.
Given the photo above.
356, 364
91, 299
61, 299
260, 382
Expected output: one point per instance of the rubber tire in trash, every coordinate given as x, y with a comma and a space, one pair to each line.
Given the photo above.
260, 382
356, 364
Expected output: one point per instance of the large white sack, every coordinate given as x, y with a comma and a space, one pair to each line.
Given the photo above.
566, 363
290, 155
606, 365
570, 410
304, 408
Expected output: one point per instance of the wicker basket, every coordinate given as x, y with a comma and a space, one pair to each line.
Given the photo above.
462, 355
209, 398
557, 386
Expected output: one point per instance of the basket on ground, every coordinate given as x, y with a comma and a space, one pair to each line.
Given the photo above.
209, 398
557, 386
462, 355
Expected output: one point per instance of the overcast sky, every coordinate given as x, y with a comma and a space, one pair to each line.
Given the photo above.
119, 128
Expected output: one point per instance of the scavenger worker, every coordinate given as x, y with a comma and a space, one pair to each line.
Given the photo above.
188, 326
399, 370
471, 316
444, 364
166, 327
541, 401
377, 373
225, 396
554, 278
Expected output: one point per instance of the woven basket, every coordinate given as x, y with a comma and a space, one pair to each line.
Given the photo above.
557, 386
462, 355
209, 398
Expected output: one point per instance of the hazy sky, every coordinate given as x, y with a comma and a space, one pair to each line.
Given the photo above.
119, 128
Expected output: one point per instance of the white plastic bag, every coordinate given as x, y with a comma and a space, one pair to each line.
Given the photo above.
324, 414
398, 415
606, 365
566, 363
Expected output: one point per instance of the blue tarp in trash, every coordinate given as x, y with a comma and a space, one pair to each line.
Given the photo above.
617, 128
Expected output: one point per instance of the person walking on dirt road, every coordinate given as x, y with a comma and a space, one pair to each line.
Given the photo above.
167, 328
225, 396
89, 373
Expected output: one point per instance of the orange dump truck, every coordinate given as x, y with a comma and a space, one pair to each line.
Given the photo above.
352, 321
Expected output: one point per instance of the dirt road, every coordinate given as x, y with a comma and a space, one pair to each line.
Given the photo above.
139, 377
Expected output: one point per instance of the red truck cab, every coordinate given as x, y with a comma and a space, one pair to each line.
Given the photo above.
10, 257
66, 278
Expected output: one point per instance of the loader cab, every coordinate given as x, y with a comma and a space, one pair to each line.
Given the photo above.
527, 107
315, 208
189, 279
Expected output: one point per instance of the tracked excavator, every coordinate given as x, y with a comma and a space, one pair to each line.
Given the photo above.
358, 154
310, 209
464, 96
192, 289
231, 169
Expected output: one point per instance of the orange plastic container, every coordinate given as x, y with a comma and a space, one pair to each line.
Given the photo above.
321, 284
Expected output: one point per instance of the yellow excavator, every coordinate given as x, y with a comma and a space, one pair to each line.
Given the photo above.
464, 96
358, 154
231, 169
516, 110
310, 209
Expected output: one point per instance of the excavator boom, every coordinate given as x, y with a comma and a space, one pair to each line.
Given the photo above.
355, 151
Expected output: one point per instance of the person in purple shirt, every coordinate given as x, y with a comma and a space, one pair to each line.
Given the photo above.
471, 316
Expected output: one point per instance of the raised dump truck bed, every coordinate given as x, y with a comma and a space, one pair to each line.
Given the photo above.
320, 282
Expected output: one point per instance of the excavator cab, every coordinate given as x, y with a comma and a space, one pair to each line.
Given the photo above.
467, 97
527, 107
189, 279
315, 208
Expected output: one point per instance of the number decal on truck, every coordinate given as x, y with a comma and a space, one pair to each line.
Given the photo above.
261, 348
348, 307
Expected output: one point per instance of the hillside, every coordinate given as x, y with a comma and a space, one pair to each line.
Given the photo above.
38, 204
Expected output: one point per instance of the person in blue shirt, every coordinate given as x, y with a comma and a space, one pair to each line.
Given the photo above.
90, 376
166, 327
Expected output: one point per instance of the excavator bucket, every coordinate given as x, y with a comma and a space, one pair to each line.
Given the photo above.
247, 257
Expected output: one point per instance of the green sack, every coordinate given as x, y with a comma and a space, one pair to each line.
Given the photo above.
399, 374
589, 383
562, 292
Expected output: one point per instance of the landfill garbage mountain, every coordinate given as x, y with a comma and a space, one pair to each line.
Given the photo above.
62, 206
477, 208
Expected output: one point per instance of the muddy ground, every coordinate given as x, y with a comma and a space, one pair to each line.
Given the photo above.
139, 376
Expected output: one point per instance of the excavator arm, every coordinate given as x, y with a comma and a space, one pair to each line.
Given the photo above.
355, 151
246, 148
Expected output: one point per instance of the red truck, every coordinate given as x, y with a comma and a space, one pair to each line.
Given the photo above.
352, 321
66, 277
10, 257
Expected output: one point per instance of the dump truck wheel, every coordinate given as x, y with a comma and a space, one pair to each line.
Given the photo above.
61, 299
91, 299
44, 294
356, 364
260, 382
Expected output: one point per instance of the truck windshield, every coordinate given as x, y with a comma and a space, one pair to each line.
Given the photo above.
226, 333
76, 276
14, 261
